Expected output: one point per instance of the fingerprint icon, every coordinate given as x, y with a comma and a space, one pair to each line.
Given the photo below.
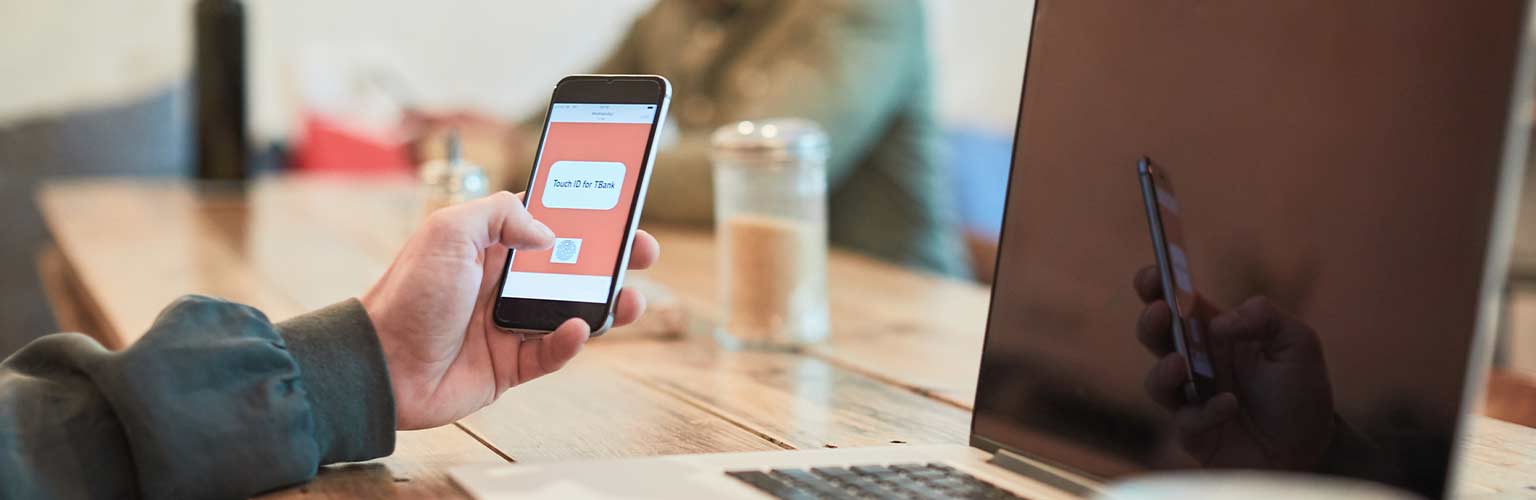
566, 250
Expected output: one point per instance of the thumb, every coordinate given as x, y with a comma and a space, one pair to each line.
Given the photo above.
545, 355
498, 219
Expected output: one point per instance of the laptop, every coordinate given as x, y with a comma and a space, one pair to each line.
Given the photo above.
1335, 191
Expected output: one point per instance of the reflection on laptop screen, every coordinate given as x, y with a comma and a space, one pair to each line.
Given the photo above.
1323, 175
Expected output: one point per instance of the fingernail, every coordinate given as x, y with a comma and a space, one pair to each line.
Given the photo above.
548, 233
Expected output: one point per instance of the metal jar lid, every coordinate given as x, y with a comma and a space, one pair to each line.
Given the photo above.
774, 140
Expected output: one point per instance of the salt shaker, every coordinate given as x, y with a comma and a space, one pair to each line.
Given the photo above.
771, 232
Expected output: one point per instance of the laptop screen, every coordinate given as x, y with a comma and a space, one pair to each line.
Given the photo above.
1321, 178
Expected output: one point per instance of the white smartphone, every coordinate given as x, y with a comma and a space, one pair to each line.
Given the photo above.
588, 185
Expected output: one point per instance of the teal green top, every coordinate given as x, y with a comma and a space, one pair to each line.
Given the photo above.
859, 68
213, 402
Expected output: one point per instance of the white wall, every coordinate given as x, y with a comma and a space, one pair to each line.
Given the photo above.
979, 50
497, 55
58, 55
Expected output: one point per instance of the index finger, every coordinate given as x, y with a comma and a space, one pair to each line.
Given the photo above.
644, 250
496, 219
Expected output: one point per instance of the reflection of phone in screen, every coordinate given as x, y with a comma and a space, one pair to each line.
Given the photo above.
1165, 222
588, 185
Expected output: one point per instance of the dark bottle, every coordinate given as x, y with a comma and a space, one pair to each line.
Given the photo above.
223, 145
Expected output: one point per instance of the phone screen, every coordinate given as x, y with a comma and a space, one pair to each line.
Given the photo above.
583, 188
1182, 284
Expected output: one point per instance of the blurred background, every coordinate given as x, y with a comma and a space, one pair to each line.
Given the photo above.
102, 87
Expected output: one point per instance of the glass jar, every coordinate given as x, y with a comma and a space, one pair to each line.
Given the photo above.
451, 180
771, 233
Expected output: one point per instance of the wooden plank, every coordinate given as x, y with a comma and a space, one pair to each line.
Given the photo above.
588, 410
415, 470
903, 327
1499, 461
136, 246
319, 243
930, 335
793, 400
71, 310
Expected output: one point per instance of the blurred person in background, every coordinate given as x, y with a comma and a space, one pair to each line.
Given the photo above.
859, 68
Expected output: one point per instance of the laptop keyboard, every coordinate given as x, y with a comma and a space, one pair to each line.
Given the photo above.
906, 481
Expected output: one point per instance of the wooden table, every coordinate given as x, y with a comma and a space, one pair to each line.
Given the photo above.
893, 373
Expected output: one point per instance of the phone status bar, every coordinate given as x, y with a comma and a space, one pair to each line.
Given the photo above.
602, 113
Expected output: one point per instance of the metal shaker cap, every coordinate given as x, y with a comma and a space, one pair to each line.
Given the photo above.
774, 140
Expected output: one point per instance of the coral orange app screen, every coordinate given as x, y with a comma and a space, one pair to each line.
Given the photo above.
583, 189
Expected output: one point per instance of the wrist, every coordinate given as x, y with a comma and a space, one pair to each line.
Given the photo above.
375, 310
343, 370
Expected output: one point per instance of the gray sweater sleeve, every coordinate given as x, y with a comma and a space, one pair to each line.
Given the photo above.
215, 401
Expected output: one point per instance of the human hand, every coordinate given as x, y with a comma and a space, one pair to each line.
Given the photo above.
1275, 410
432, 312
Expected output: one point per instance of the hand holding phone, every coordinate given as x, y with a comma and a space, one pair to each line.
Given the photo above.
588, 185
445, 358
1165, 224
1274, 404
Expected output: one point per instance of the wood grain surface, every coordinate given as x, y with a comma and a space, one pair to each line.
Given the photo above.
900, 367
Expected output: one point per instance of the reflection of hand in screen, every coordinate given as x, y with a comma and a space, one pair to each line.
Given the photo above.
1275, 409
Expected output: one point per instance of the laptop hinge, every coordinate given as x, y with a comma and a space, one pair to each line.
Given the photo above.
1025, 467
